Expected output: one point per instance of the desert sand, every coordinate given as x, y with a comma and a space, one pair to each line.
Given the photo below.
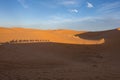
31, 54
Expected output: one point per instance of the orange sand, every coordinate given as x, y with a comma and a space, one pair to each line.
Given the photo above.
58, 36
61, 55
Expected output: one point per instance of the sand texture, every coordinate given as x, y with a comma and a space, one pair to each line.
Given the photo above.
30, 54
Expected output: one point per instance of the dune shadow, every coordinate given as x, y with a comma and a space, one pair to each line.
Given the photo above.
48, 53
90, 35
99, 35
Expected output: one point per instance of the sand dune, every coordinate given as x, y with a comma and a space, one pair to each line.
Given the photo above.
59, 36
59, 54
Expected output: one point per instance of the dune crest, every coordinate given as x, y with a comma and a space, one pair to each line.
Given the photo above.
24, 35
29, 54
91, 42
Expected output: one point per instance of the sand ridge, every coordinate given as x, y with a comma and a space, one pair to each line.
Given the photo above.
44, 59
60, 36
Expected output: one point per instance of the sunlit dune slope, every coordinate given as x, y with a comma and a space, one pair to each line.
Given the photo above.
66, 41
67, 51
58, 36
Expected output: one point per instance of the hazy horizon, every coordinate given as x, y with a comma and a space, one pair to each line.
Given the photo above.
61, 14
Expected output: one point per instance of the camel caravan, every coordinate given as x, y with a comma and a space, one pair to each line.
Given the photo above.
26, 41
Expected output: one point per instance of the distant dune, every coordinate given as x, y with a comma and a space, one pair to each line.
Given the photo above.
30, 54
58, 36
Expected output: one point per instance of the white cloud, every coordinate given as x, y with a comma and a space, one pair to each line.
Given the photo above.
68, 2
89, 5
22, 2
74, 11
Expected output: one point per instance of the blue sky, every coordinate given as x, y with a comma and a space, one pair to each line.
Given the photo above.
61, 14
